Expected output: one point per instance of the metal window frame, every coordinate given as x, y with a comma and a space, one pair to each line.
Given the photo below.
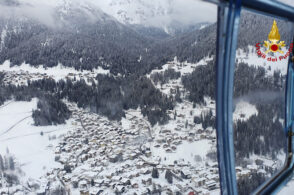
227, 33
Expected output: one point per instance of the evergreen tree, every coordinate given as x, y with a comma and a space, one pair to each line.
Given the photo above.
1, 163
155, 173
11, 163
169, 176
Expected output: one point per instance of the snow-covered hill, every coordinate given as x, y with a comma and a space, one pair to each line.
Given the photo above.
170, 15
136, 11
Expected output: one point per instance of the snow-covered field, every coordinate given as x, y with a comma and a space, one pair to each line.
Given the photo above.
254, 60
58, 72
244, 110
185, 152
34, 153
183, 67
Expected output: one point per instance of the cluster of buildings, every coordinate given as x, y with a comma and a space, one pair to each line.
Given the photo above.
103, 157
23, 77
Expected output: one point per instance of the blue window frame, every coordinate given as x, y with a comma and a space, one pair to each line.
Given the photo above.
228, 25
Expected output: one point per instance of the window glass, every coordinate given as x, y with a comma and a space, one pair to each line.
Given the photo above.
259, 98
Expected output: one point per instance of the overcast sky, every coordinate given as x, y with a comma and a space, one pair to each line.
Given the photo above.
194, 10
39, 10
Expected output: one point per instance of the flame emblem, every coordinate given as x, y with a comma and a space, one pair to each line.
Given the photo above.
274, 44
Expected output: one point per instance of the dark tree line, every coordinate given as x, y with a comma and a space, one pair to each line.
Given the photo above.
50, 111
261, 134
1, 76
7, 163
107, 95
249, 79
206, 119
247, 185
201, 82
79, 44
3, 95
164, 77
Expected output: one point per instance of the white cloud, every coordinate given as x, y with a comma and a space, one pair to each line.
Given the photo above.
37, 10
156, 12
194, 11
182, 11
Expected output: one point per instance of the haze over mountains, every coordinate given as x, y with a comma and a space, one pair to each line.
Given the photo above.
82, 36
79, 34
170, 15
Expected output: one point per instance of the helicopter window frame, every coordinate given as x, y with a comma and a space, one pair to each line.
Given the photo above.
227, 33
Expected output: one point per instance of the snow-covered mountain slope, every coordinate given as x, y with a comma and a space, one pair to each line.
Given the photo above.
169, 15
53, 14
136, 11
82, 31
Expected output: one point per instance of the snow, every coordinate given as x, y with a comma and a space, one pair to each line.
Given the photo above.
134, 12
140, 59
268, 161
183, 67
252, 59
186, 151
32, 151
244, 108
57, 72
126, 124
46, 43
288, 189
159, 13
203, 26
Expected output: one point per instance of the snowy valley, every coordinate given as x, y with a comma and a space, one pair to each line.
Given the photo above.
118, 97
95, 155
